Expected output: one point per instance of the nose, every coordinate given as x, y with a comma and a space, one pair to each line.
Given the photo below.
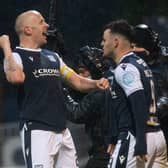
47, 25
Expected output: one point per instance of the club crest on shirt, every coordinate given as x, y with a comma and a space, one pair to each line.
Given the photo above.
128, 78
51, 58
124, 66
31, 58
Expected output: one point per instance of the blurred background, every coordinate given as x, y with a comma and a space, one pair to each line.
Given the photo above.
80, 23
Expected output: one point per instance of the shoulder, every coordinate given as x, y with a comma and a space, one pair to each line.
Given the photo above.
50, 53
53, 57
17, 58
128, 77
125, 70
46, 51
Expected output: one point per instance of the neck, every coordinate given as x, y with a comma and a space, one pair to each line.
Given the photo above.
120, 55
31, 46
28, 43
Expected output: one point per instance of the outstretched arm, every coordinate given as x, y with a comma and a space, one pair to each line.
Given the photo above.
84, 84
80, 83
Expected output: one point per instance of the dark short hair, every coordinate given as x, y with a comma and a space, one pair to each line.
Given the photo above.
121, 27
146, 37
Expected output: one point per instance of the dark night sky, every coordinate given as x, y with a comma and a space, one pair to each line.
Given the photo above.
81, 21
11, 8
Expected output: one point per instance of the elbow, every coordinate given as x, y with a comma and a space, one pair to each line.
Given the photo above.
78, 87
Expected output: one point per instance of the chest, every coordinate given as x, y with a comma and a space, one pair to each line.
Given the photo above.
40, 67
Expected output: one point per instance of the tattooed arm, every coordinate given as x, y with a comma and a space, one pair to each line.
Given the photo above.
13, 71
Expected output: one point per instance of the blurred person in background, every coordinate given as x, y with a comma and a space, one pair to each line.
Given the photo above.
90, 109
148, 46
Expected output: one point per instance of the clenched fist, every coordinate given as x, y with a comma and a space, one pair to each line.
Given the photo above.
103, 83
5, 45
4, 41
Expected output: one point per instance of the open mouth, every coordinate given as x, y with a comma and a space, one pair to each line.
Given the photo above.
51, 33
44, 33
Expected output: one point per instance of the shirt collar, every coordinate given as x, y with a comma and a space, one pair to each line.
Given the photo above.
126, 55
29, 49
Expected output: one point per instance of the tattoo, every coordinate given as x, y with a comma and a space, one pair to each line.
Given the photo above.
10, 65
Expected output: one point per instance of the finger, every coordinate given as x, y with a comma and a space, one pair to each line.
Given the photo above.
142, 158
145, 158
104, 83
139, 158
109, 149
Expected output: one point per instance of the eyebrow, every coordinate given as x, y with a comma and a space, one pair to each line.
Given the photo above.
42, 20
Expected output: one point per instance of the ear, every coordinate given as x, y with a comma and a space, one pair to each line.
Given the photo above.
28, 30
116, 41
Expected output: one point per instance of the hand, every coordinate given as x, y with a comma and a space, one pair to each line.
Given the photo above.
4, 41
142, 158
110, 149
103, 83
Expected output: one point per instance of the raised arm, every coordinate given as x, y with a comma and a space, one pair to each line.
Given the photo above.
13, 71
